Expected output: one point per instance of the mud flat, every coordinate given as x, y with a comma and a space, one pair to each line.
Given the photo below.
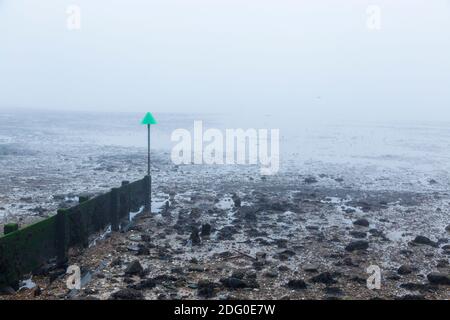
347, 197
221, 234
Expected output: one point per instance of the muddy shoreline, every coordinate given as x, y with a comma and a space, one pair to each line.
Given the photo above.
236, 235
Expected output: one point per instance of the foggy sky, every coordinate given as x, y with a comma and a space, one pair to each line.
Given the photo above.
257, 56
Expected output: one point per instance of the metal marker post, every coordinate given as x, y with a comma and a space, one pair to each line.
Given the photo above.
148, 171
149, 120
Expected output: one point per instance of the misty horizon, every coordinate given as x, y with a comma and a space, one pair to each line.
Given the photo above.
262, 57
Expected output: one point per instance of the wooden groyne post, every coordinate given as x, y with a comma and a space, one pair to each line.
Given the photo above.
114, 209
61, 237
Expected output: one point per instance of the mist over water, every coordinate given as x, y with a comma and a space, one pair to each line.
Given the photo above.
393, 155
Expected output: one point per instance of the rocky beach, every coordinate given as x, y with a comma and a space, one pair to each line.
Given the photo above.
227, 232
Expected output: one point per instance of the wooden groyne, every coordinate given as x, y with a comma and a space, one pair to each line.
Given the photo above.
24, 251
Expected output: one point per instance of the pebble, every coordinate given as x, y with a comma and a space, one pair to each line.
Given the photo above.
357, 245
324, 277
310, 268
438, 278
127, 294
404, 269
361, 222
296, 284
134, 268
424, 240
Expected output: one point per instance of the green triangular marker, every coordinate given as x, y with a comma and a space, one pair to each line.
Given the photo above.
148, 119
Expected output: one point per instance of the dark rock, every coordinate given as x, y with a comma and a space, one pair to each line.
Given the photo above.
438, 278
443, 263
248, 213
347, 261
145, 284
116, 262
281, 243
37, 291
205, 289
406, 252
195, 238
361, 222
447, 228
358, 234
227, 233
177, 270
411, 297
283, 268
334, 291
278, 206
349, 210
195, 212
285, 254
236, 200
393, 276
134, 268
357, 245
234, 283
414, 286
425, 241
358, 279
206, 230
128, 280
310, 268
127, 294
404, 269
238, 274
325, 278
142, 250
271, 274
261, 256
310, 180
296, 284
166, 206
196, 268
250, 275
195, 260
258, 265
164, 278
376, 233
